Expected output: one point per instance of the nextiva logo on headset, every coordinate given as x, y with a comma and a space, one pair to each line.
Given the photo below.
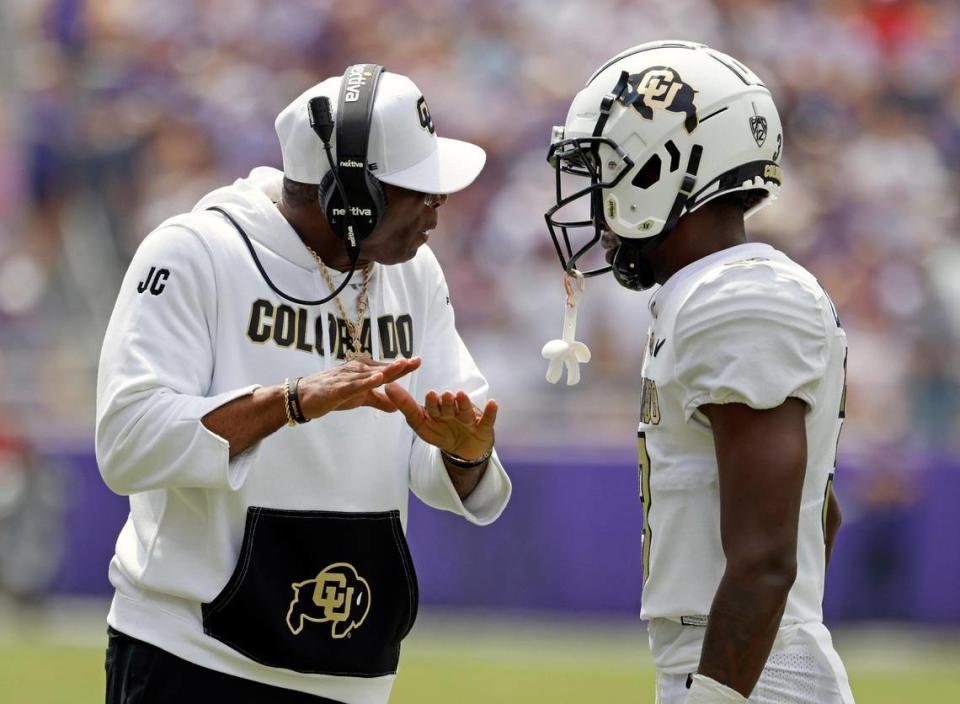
353, 80
352, 199
354, 211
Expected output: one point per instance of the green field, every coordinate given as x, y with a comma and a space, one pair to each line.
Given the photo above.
497, 658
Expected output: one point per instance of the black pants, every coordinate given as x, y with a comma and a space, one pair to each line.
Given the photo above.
140, 673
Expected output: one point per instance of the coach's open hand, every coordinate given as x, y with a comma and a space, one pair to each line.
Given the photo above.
448, 421
351, 385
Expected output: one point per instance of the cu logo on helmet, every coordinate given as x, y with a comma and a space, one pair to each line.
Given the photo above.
423, 112
661, 88
337, 595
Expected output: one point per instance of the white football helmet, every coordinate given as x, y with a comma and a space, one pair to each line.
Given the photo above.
659, 130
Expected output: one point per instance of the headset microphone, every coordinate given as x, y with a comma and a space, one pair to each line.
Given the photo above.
321, 120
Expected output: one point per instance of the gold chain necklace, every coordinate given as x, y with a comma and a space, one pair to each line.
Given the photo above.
353, 328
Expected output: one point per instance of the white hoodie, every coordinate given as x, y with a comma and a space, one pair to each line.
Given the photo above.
214, 556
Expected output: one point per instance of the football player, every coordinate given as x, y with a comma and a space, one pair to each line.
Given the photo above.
672, 145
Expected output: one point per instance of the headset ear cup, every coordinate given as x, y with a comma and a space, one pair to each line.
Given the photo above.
330, 198
326, 192
378, 198
326, 189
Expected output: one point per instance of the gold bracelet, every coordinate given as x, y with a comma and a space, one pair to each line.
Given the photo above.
286, 402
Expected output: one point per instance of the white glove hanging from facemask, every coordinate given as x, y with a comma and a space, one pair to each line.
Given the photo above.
567, 352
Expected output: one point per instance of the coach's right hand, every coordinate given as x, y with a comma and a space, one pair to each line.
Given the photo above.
351, 385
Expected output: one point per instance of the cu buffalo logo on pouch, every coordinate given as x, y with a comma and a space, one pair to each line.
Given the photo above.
426, 121
661, 88
337, 595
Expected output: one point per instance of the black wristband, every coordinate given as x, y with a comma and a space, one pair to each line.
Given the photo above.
293, 402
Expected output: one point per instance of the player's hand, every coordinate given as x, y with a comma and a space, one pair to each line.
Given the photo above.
449, 421
351, 385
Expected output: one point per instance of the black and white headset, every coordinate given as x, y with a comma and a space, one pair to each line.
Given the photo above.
352, 199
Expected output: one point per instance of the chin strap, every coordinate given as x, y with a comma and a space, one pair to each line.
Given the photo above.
631, 268
686, 188
567, 352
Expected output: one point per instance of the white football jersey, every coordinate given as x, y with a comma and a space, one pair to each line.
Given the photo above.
744, 325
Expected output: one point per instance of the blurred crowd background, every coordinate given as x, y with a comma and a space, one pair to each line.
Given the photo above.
115, 114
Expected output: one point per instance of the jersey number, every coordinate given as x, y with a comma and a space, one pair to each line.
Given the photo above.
646, 499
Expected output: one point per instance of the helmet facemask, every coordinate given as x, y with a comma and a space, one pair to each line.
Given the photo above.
580, 157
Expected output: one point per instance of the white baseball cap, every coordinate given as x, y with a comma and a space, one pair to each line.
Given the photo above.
403, 149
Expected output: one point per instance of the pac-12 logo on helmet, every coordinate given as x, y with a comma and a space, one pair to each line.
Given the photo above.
337, 594
660, 87
758, 127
